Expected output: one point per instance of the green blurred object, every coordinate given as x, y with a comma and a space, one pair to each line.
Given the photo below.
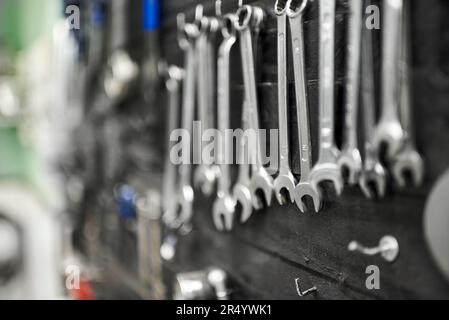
15, 159
24, 21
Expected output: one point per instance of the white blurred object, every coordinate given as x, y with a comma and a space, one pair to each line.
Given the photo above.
436, 224
39, 276
9, 104
49, 79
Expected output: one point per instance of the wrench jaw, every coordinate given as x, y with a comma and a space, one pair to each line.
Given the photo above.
280, 7
327, 172
389, 133
242, 195
327, 169
374, 177
284, 187
304, 189
223, 213
169, 216
296, 8
186, 205
261, 181
408, 161
350, 161
205, 178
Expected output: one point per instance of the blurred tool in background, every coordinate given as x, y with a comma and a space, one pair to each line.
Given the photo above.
31, 199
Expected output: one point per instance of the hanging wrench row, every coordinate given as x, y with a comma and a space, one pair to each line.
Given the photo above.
196, 39
394, 128
255, 186
393, 133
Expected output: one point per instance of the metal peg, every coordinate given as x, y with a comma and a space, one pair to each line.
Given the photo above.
303, 293
388, 248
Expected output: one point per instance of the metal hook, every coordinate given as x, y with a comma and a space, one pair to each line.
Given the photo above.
388, 248
303, 293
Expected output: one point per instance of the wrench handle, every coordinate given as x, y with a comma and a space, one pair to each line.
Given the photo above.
169, 181
302, 109
118, 24
223, 81
203, 78
327, 38
353, 73
249, 79
244, 149
188, 109
405, 105
282, 92
392, 34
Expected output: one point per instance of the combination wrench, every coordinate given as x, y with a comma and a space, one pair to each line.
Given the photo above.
285, 182
326, 168
187, 33
373, 174
408, 160
205, 174
241, 191
389, 131
224, 206
295, 11
252, 17
350, 160
173, 82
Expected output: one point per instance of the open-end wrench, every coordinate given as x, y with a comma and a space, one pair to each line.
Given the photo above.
408, 160
326, 168
205, 174
188, 33
249, 17
241, 191
285, 182
295, 11
224, 206
389, 131
373, 174
350, 160
173, 82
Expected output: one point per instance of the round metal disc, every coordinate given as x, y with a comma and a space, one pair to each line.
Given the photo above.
436, 224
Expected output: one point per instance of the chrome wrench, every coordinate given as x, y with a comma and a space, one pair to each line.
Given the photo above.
373, 174
389, 131
295, 11
206, 174
408, 159
188, 33
224, 206
248, 17
173, 83
327, 169
350, 160
285, 182
241, 191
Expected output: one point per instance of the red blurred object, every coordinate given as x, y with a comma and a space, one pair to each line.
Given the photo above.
85, 291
